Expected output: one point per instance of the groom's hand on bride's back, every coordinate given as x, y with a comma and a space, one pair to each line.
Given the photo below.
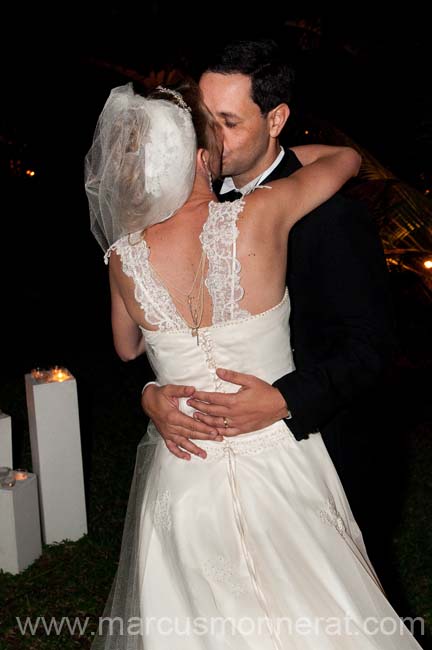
160, 403
256, 405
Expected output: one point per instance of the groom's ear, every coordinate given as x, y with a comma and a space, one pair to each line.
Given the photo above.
277, 119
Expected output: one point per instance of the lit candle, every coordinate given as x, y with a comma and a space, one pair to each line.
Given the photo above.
52, 375
21, 474
59, 374
38, 374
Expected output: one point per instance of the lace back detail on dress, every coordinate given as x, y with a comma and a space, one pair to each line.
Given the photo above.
150, 294
218, 239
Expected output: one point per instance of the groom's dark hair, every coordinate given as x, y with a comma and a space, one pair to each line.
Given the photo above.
272, 78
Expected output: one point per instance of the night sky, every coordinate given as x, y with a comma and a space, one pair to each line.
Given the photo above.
368, 72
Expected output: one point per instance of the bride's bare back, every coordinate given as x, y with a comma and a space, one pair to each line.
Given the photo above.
174, 250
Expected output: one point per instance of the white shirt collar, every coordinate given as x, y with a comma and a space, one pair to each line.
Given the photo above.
228, 183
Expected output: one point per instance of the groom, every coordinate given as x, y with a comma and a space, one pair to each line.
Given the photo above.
337, 282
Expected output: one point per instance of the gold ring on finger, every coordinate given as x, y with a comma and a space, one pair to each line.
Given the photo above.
225, 421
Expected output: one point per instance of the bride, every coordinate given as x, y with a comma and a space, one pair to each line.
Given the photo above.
253, 545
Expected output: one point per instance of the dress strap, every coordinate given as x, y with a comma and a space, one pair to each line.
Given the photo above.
219, 240
150, 294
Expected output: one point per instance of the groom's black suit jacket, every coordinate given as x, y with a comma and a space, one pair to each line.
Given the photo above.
340, 330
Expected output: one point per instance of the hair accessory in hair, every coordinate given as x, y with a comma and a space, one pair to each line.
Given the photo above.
177, 96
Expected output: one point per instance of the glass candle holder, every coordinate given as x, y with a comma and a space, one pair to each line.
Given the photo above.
8, 481
4, 471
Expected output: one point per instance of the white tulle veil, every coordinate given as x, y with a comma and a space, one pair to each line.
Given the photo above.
141, 166
139, 171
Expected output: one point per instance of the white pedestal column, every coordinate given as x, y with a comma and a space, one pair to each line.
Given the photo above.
20, 536
56, 455
5, 441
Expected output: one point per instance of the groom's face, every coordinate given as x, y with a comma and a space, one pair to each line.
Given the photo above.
245, 131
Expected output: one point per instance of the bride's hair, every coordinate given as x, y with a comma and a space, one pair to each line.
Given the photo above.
141, 167
206, 128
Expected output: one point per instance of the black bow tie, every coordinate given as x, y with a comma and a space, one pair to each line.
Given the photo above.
232, 195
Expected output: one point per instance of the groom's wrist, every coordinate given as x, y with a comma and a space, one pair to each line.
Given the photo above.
149, 383
147, 401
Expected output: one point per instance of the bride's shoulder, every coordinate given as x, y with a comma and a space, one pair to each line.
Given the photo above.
120, 251
268, 207
263, 199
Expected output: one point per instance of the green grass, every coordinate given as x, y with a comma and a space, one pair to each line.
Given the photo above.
72, 579
413, 539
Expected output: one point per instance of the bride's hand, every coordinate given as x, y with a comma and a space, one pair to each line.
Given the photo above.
256, 405
160, 403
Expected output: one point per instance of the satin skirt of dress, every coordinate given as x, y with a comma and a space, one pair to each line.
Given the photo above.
253, 548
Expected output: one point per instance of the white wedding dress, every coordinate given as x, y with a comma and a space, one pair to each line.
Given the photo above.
254, 547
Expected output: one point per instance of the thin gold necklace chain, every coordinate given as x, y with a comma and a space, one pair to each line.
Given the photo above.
171, 287
200, 268
196, 315
198, 312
